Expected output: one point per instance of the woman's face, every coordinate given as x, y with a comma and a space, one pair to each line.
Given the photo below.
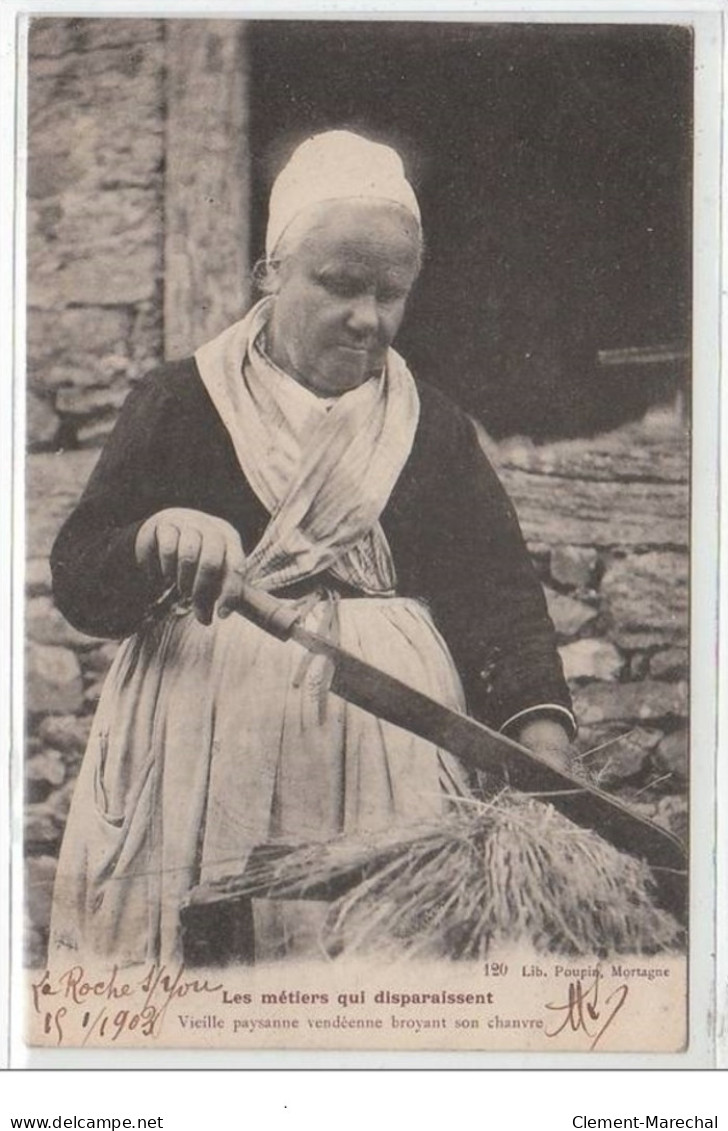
341, 294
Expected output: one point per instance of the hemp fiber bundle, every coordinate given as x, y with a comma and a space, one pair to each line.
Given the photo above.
505, 872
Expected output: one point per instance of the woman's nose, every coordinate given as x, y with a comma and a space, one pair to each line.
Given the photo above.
363, 314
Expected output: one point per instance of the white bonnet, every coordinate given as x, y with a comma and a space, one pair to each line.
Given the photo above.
336, 165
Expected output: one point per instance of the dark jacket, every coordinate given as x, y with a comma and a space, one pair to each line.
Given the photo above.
453, 533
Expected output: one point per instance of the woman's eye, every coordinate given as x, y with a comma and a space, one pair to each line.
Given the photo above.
349, 286
390, 294
341, 286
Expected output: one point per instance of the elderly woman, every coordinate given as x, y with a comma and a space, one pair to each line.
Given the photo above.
295, 452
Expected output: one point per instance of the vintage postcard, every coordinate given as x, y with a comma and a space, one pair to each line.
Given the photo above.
362, 405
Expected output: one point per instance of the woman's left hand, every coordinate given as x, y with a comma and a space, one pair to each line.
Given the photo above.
548, 739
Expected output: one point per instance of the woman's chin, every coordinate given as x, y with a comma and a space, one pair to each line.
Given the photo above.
347, 374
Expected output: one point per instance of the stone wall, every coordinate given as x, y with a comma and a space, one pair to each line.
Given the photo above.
94, 275
607, 521
138, 202
95, 233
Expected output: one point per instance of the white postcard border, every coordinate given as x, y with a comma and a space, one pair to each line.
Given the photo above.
705, 996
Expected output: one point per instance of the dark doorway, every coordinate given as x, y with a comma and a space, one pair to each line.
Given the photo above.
553, 167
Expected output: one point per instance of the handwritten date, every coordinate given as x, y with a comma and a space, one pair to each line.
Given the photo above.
112, 1004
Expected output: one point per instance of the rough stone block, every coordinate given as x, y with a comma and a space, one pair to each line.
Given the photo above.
59, 802
94, 148
540, 555
54, 483
591, 658
51, 36
593, 738
92, 694
625, 761
35, 948
68, 733
40, 872
137, 159
98, 273
33, 745
611, 757
639, 665
93, 221
91, 402
672, 813
630, 454
646, 599
45, 624
670, 663
106, 248
53, 681
573, 565
42, 828
598, 513
650, 700
41, 421
46, 769
38, 580
97, 660
93, 433
569, 616
69, 345
146, 335
671, 756
47, 37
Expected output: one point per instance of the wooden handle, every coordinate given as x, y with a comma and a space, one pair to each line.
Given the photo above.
268, 612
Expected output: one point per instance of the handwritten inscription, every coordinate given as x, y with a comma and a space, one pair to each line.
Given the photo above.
585, 1012
99, 998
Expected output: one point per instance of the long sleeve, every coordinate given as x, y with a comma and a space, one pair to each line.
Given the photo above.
507, 635
97, 583
461, 549
169, 449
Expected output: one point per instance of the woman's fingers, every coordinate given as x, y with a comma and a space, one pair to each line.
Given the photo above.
146, 551
209, 577
167, 543
189, 550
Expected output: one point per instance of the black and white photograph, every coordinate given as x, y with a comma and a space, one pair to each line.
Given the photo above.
357, 534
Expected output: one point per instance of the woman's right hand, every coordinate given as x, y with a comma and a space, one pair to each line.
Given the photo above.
197, 552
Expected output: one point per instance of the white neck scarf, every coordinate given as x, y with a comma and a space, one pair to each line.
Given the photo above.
324, 472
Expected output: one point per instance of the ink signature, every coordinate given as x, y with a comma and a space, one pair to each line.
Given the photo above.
114, 1003
584, 1012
